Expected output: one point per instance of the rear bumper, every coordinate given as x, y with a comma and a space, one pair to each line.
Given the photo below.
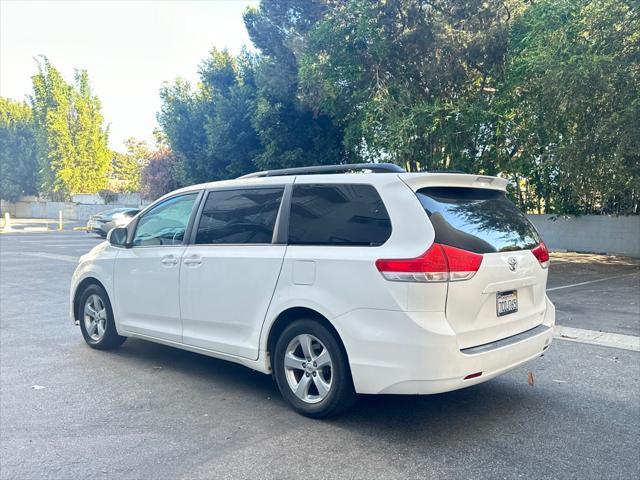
418, 353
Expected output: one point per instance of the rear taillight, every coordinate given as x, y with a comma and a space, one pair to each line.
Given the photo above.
542, 254
440, 263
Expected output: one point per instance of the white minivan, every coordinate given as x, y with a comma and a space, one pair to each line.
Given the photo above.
337, 280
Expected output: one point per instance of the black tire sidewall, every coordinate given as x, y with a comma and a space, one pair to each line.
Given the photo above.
342, 394
110, 338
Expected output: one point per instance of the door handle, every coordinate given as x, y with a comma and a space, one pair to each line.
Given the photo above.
169, 260
192, 260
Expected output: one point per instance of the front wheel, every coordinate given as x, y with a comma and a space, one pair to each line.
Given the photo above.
312, 371
96, 319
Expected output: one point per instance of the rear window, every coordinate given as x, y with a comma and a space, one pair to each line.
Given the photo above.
477, 219
350, 215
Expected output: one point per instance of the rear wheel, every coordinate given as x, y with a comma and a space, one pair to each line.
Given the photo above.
96, 319
312, 371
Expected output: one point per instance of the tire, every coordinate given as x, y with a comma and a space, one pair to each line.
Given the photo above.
323, 391
101, 334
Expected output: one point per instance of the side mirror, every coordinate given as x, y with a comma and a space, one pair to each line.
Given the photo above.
117, 237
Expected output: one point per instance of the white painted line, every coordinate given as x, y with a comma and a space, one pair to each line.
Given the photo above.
59, 245
591, 281
592, 337
36, 229
60, 240
52, 256
39, 236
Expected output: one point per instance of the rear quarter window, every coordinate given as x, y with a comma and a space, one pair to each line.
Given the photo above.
477, 219
338, 214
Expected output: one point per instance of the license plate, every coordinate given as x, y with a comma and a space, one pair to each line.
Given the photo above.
506, 302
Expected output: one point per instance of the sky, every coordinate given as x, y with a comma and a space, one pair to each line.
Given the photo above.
128, 47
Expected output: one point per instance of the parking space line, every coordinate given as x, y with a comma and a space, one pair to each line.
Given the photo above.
59, 245
59, 240
52, 256
592, 337
591, 281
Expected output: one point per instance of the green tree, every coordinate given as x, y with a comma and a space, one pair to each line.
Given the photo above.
125, 172
292, 133
18, 155
543, 93
410, 81
126, 167
210, 127
571, 105
72, 141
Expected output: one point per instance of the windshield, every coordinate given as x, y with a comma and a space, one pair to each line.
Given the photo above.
476, 219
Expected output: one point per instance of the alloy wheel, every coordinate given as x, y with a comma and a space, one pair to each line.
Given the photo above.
308, 368
95, 317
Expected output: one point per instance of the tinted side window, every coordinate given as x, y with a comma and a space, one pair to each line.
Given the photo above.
239, 216
338, 215
476, 219
165, 223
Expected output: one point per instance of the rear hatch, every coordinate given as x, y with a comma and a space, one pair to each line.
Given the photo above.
506, 294
487, 258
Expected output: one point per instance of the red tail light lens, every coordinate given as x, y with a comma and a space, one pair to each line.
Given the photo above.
440, 263
462, 264
542, 254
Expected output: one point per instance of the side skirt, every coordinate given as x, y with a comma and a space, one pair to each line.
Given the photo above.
261, 364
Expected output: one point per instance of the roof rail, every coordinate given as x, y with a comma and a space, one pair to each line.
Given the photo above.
374, 167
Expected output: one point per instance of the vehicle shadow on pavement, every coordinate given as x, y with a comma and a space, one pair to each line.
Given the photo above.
496, 401
499, 400
141, 354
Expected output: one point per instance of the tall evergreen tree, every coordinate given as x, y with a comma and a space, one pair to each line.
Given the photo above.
292, 133
72, 140
210, 127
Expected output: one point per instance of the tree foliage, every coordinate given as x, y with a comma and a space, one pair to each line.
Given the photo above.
410, 81
125, 172
126, 167
292, 133
209, 126
544, 93
570, 105
159, 174
18, 155
71, 139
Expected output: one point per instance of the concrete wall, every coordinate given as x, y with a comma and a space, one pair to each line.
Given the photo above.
80, 208
591, 233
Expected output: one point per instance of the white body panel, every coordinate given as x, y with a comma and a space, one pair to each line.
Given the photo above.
146, 291
471, 305
225, 291
400, 337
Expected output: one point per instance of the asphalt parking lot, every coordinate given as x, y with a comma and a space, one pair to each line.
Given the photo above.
149, 411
